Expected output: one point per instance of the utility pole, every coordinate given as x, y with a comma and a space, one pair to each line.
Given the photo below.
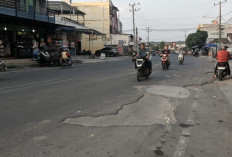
148, 40
220, 23
133, 14
148, 35
136, 40
185, 37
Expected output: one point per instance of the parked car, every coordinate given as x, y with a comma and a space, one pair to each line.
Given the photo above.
113, 52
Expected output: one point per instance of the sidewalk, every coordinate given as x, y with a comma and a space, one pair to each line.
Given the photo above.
213, 60
22, 63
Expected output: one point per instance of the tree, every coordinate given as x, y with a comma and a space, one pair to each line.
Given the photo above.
196, 39
161, 45
154, 47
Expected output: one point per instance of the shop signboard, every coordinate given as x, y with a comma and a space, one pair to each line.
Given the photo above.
215, 34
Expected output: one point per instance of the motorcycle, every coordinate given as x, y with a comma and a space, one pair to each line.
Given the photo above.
181, 58
35, 55
164, 61
196, 53
46, 58
222, 71
66, 60
2, 66
142, 69
134, 57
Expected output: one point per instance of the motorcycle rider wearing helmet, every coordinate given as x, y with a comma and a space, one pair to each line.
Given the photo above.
145, 53
223, 57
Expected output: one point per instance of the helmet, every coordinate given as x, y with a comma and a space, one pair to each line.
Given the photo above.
225, 47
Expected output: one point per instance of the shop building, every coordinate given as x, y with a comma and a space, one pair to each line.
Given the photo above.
21, 22
66, 17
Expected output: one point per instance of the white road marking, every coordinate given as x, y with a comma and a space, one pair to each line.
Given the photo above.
30, 83
49, 83
184, 135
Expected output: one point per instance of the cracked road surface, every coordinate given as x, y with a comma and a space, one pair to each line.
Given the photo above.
100, 110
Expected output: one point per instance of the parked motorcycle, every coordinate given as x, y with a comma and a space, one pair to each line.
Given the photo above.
165, 61
222, 71
35, 55
181, 58
142, 69
51, 59
2, 66
196, 53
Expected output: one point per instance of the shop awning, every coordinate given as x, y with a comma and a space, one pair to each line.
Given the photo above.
86, 30
210, 45
71, 25
67, 28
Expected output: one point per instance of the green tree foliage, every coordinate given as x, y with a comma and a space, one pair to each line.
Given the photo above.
198, 38
161, 45
154, 47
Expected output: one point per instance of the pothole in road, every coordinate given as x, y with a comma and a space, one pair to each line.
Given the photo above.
149, 110
153, 108
168, 91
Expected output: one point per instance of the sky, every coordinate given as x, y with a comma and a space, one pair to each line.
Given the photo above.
169, 14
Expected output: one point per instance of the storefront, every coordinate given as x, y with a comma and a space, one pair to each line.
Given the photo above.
17, 34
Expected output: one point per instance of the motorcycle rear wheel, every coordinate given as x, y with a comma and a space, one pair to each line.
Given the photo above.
163, 66
220, 77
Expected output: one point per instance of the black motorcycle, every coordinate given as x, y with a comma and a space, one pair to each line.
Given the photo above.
222, 71
142, 69
66, 62
196, 53
51, 58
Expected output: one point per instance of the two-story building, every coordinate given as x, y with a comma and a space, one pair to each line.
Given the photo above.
101, 16
67, 16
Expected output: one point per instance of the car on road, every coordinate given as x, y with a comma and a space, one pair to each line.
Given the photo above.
153, 52
112, 52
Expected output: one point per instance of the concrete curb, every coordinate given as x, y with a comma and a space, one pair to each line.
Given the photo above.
24, 63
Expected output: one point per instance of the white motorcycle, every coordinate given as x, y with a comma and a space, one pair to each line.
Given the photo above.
181, 58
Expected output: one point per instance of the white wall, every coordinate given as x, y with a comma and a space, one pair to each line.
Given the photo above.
119, 37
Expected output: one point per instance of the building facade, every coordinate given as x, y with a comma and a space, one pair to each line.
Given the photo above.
21, 22
213, 32
71, 23
101, 16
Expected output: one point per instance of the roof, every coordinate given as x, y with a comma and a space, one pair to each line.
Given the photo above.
71, 25
63, 8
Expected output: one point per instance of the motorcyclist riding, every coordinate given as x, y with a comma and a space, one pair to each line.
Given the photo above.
143, 53
223, 57
166, 51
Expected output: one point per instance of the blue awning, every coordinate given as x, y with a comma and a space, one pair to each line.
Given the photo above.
67, 28
210, 45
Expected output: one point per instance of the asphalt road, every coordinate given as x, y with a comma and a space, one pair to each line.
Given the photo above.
100, 110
